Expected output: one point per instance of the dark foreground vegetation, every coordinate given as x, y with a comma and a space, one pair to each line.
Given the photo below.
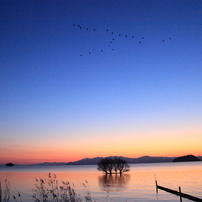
47, 190
113, 165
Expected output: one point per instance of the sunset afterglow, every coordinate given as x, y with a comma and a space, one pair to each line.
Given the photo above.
84, 79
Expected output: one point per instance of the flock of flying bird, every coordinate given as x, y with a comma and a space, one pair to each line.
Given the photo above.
113, 39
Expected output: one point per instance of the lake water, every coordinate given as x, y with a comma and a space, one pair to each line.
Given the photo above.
136, 185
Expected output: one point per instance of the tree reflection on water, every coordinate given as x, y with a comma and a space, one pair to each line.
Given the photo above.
113, 183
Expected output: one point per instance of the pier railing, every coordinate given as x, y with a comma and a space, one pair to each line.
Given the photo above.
178, 193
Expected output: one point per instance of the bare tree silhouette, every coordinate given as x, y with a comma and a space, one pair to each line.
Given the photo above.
113, 165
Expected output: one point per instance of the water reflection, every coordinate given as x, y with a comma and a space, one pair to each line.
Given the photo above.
113, 183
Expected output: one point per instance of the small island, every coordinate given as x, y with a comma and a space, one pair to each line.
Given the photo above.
9, 164
186, 158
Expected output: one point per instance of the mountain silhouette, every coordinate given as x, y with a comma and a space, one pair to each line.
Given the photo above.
143, 159
186, 158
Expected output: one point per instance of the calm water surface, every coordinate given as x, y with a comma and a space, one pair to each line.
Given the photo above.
136, 185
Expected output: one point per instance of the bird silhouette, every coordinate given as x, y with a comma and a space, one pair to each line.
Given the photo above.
112, 40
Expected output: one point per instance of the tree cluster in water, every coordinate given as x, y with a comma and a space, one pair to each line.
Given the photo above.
113, 165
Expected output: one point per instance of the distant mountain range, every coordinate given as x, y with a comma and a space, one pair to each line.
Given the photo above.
94, 161
143, 159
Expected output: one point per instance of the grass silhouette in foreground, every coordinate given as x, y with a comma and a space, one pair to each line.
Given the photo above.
5, 194
48, 190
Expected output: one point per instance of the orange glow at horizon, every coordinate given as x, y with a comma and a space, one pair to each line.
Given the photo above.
129, 144
72, 154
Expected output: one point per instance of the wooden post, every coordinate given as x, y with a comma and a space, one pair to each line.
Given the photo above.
180, 194
156, 186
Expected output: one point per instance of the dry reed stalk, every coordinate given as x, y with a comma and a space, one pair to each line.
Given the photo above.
0, 191
49, 190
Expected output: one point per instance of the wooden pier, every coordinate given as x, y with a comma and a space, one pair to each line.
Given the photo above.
178, 193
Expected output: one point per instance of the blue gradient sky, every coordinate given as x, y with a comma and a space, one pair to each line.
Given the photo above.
139, 99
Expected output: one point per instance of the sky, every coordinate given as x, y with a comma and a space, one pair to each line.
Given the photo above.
88, 78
